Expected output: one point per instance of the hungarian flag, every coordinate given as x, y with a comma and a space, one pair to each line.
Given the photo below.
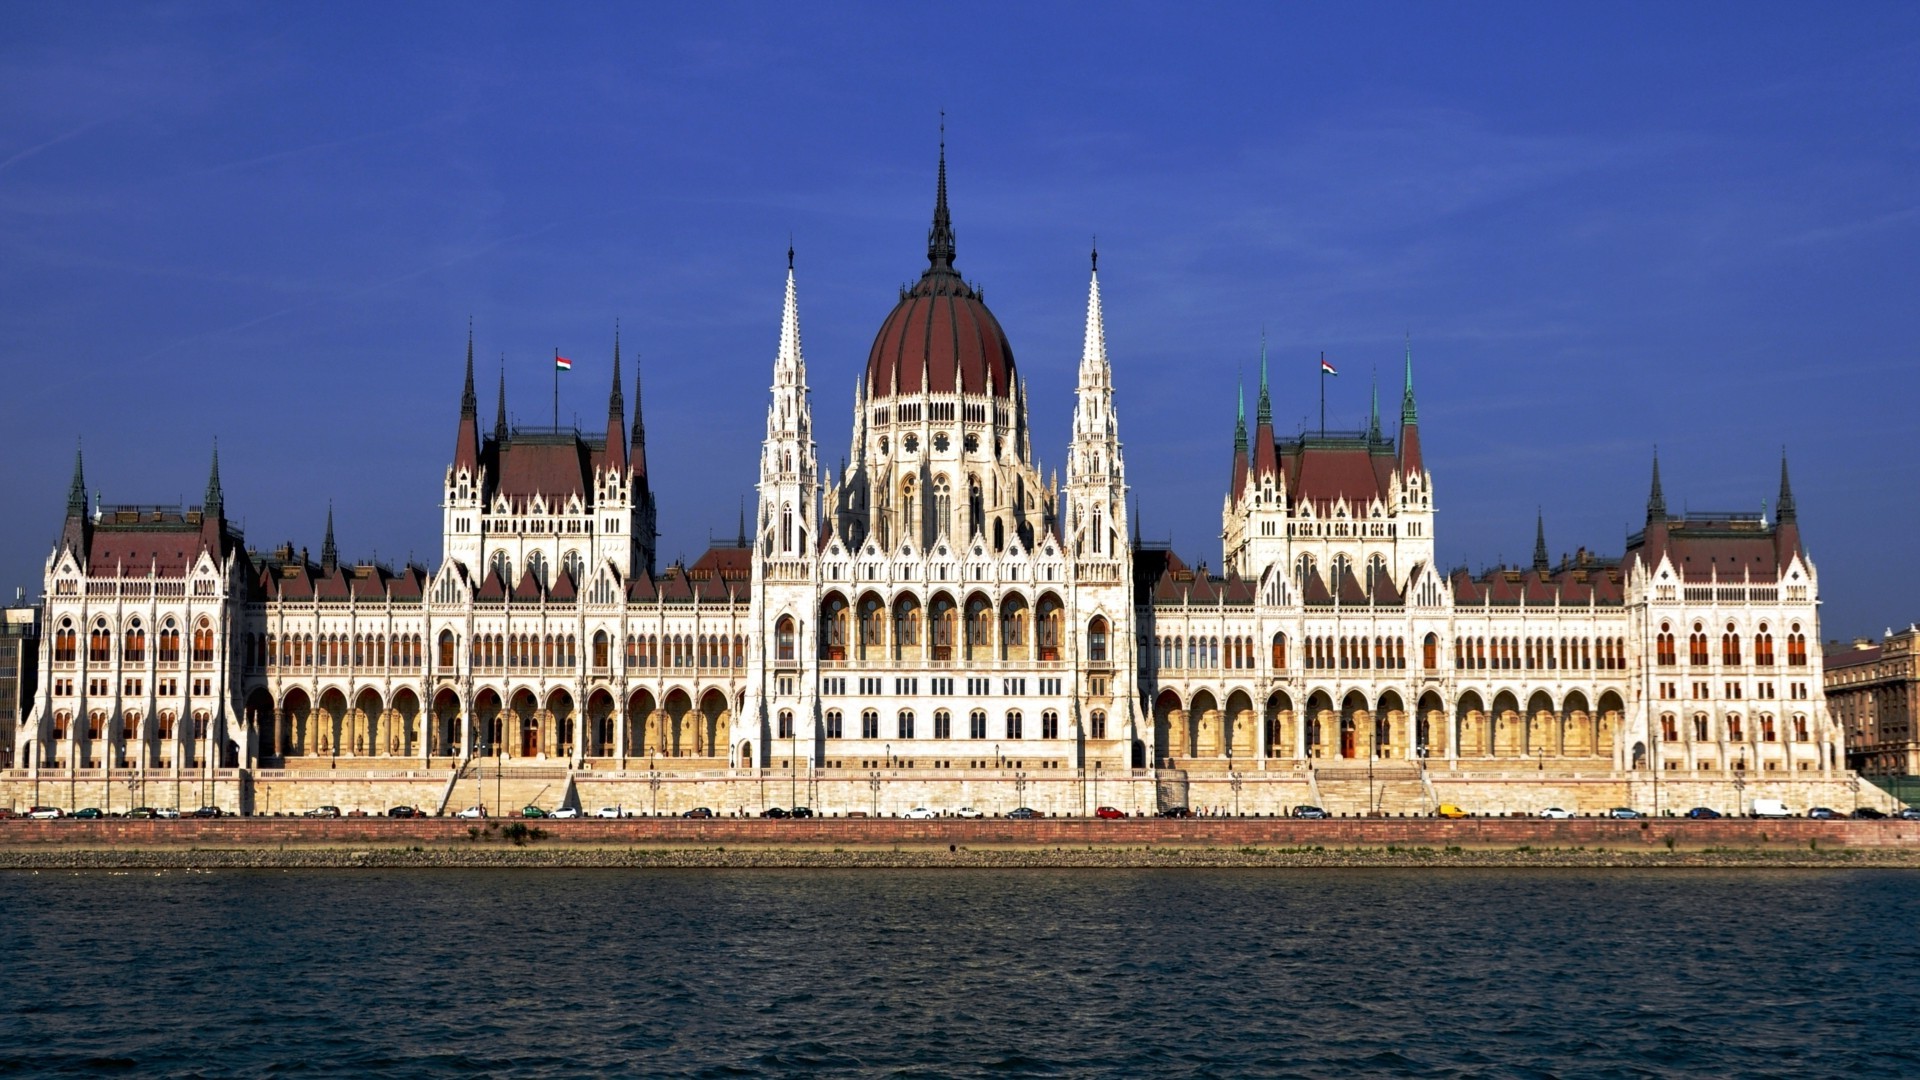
1326, 368
562, 363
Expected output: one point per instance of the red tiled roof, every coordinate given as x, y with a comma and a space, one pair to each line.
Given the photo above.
167, 549
555, 470
1840, 659
1323, 475
937, 337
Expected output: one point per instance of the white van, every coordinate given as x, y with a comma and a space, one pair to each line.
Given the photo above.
1770, 808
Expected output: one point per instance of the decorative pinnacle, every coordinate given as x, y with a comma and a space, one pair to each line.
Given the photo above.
1409, 412
329, 555
1784, 513
77, 492
1240, 421
500, 415
616, 401
469, 405
1539, 540
215, 502
1264, 416
1656, 499
940, 237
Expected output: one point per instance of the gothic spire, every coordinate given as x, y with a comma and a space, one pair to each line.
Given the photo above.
1783, 511
1656, 499
469, 405
77, 491
1540, 560
1409, 412
637, 454
1373, 423
215, 503
329, 555
1265, 415
940, 237
500, 414
616, 401
1240, 421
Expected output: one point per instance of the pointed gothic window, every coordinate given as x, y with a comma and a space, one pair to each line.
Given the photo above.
907, 516
786, 529
942, 505
576, 566
537, 566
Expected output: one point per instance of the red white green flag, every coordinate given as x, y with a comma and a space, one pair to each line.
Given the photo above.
561, 363
1326, 368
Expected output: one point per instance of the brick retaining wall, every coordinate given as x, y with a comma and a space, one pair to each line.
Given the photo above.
271, 833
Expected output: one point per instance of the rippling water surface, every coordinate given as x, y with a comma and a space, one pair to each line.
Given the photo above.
963, 973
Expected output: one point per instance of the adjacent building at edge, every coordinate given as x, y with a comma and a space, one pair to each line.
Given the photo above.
938, 611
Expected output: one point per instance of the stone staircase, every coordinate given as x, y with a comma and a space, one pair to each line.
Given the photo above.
504, 790
1396, 789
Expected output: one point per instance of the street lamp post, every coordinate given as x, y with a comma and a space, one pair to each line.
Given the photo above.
873, 782
1233, 781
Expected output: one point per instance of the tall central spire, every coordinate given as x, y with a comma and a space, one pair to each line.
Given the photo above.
1264, 417
940, 237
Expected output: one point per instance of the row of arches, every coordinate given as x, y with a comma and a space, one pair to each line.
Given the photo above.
943, 629
518, 723
129, 739
130, 644
1203, 726
1700, 646
332, 651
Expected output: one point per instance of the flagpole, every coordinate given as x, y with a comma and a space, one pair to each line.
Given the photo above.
556, 389
1323, 394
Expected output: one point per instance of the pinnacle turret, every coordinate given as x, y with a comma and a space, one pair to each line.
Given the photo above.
1784, 512
500, 413
215, 504
1264, 416
77, 491
940, 236
469, 404
329, 555
1540, 560
1656, 499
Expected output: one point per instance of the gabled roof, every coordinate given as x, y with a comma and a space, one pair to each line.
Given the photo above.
562, 586
493, 589
528, 588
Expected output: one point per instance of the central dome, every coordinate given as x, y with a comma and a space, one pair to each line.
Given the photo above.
940, 337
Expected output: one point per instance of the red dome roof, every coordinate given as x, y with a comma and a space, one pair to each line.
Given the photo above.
940, 338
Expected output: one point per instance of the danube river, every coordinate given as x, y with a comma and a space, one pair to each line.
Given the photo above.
963, 972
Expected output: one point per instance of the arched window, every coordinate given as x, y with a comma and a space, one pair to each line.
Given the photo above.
1699, 727
786, 529
135, 650
1014, 723
870, 724
1730, 647
504, 567
1669, 729
169, 643
100, 645
785, 730
942, 724
600, 657
942, 505
1097, 640
65, 643
907, 512
446, 650
836, 724
977, 724
203, 643
537, 566
976, 508
1049, 724
905, 724
1097, 724
783, 639
1697, 648
1303, 568
576, 566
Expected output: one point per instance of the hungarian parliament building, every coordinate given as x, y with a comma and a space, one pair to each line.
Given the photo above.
937, 612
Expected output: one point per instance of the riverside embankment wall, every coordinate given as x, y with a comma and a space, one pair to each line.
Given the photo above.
272, 833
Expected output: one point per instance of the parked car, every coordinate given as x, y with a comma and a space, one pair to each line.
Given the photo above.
1448, 810
1868, 813
209, 811
1624, 813
88, 813
919, 813
403, 812
167, 813
1703, 813
1176, 811
1312, 813
1908, 813
1822, 813
1770, 808
1023, 812
1554, 813
324, 811
699, 811
472, 812
967, 812
564, 812
781, 812
802, 811
608, 812
532, 811
1107, 812
8, 813
142, 813
45, 813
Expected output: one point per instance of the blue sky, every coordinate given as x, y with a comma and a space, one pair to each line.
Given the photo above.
1605, 229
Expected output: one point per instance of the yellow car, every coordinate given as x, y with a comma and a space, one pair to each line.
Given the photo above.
1448, 810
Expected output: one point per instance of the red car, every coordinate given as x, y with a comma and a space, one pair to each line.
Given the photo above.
1108, 812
